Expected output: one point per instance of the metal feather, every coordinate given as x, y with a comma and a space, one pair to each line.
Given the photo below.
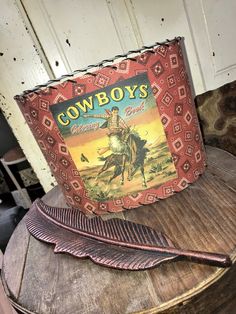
114, 243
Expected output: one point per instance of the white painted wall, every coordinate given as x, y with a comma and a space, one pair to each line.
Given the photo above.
16, 75
98, 29
72, 34
213, 26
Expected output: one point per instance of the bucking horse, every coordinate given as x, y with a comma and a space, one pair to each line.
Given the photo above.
134, 158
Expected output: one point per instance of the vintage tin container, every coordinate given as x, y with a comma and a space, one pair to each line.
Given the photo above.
121, 133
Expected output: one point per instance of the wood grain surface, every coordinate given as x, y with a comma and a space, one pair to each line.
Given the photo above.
5, 307
202, 217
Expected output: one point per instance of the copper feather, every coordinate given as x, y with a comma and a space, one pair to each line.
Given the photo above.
114, 243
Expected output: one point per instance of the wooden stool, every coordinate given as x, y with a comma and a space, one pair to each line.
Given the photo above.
202, 217
13, 157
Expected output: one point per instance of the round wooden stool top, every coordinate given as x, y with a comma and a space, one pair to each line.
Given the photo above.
202, 217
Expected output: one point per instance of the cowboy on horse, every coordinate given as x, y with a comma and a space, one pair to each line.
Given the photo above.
116, 128
126, 146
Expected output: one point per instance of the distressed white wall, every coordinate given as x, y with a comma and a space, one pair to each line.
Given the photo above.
72, 34
20, 68
212, 24
98, 29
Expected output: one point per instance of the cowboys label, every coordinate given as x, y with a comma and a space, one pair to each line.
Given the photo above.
116, 139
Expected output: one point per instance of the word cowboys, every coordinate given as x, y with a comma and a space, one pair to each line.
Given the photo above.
103, 98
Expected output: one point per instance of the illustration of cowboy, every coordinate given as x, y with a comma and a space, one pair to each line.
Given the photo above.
116, 127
